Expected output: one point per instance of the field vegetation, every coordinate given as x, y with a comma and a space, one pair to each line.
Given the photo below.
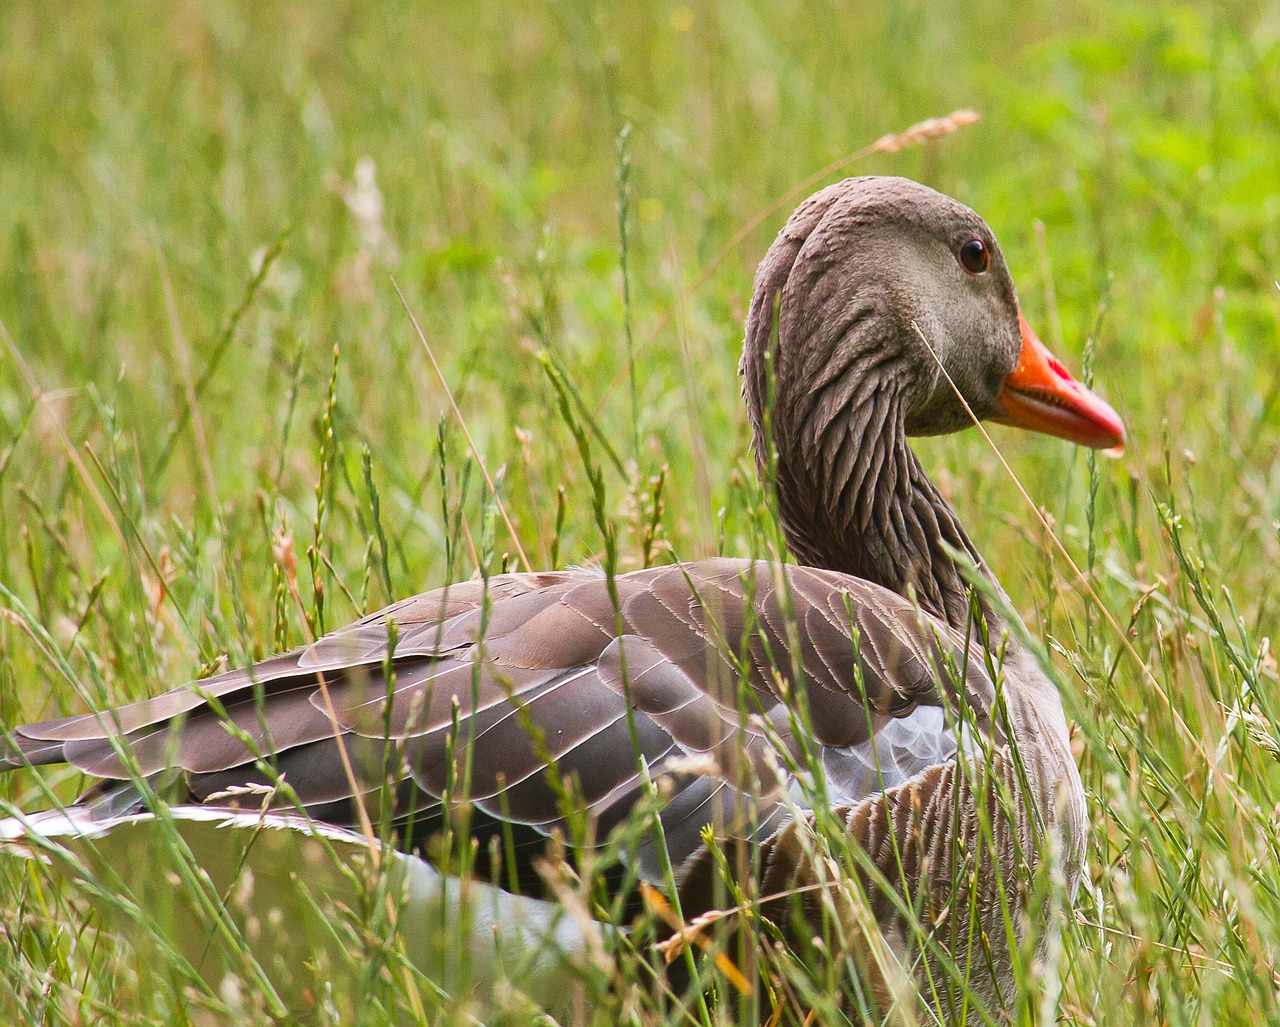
220, 432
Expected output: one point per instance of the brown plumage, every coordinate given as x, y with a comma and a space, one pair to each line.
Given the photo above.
860, 664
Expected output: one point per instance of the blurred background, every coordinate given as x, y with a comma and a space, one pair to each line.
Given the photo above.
150, 158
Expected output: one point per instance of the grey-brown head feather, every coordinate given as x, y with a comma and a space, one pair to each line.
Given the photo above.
834, 362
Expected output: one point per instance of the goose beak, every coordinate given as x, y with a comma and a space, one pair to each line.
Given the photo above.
1042, 396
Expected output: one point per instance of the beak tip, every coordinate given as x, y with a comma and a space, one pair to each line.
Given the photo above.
1113, 426
1040, 395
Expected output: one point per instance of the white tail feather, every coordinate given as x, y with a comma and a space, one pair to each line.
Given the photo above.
294, 890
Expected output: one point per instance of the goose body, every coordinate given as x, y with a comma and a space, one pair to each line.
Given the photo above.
729, 681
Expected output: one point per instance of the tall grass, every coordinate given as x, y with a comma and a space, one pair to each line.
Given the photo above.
220, 432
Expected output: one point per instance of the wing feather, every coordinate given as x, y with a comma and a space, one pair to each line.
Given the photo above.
537, 669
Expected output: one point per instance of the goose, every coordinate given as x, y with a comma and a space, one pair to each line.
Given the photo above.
880, 674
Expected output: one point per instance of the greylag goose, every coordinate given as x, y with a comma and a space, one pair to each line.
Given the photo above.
749, 690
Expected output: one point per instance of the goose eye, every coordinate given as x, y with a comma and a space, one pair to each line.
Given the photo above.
974, 257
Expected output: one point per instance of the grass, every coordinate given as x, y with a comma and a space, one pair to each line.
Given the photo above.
212, 384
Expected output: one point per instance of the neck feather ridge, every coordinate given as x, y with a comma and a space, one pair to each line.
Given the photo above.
853, 496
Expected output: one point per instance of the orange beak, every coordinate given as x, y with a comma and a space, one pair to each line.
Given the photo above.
1042, 396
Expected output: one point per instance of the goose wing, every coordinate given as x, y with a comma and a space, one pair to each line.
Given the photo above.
532, 693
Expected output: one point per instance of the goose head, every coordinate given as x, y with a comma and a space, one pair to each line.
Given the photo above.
885, 309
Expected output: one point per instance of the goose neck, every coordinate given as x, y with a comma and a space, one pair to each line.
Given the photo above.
854, 498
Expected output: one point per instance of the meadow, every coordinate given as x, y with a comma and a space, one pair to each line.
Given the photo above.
220, 433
